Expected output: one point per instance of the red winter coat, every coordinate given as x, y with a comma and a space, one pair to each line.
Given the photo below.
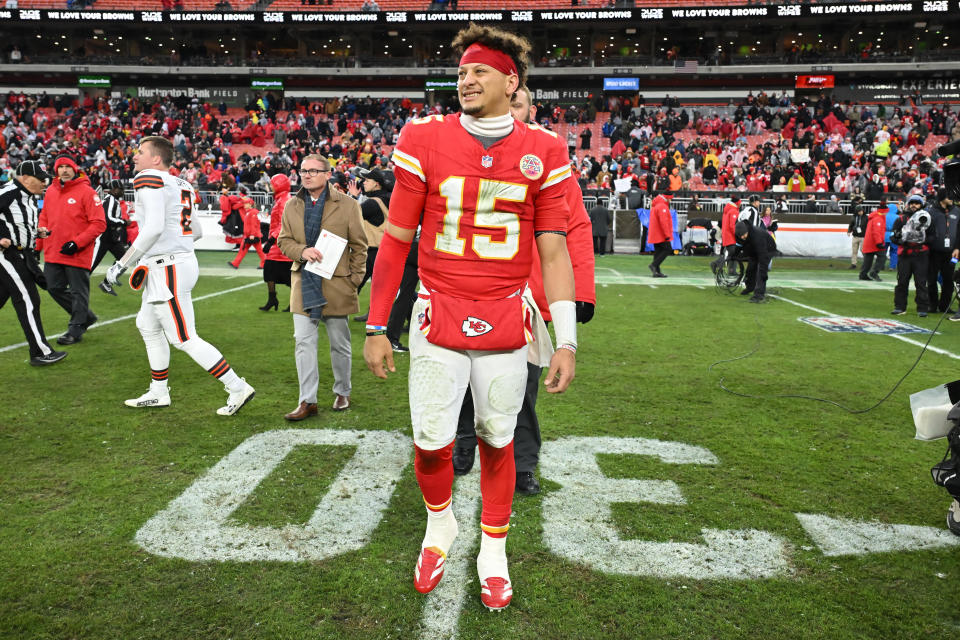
281, 193
251, 223
876, 227
728, 222
580, 248
72, 212
661, 225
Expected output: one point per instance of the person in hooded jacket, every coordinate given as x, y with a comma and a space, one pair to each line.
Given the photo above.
731, 211
873, 246
944, 218
73, 217
276, 268
660, 234
251, 235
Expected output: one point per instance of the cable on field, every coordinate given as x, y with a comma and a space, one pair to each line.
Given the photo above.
813, 398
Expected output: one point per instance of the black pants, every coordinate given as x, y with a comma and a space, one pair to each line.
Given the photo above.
600, 245
940, 266
872, 263
18, 284
526, 437
371, 259
70, 288
406, 296
755, 278
660, 252
914, 266
116, 248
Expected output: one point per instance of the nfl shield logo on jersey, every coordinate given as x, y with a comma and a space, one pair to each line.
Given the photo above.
473, 327
486, 161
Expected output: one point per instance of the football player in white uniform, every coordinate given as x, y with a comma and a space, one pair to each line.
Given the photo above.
167, 272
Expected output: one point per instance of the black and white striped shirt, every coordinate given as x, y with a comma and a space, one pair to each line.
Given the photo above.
111, 207
18, 215
751, 215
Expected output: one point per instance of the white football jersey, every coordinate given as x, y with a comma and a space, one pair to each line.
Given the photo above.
164, 207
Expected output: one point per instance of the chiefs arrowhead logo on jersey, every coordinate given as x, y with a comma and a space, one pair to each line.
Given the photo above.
473, 327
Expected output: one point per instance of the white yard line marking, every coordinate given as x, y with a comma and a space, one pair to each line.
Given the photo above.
103, 323
441, 611
917, 343
846, 290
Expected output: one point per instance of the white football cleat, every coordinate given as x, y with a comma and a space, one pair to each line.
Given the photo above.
237, 399
152, 398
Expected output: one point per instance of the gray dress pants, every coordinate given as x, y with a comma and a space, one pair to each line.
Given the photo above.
306, 334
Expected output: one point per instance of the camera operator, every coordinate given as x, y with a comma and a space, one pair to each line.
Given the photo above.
943, 220
913, 257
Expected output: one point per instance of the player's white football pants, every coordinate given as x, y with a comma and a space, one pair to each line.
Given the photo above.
439, 378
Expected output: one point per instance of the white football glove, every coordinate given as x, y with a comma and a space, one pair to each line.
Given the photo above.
114, 272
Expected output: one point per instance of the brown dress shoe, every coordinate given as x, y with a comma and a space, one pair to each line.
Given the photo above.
305, 410
341, 402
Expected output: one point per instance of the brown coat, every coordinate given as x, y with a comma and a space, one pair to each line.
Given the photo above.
341, 216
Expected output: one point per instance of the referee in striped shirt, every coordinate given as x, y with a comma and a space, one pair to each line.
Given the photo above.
19, 272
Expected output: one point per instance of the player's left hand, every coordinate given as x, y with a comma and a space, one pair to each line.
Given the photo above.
114, 272
561, 372
376, 349
69, 248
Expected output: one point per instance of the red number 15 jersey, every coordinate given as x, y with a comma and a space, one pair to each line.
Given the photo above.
482, 206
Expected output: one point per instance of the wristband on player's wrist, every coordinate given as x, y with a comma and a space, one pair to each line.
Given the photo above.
564, 315
376, 327
378, 332
568, 347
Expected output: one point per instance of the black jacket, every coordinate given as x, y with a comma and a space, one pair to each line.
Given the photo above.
858, 225
759, 245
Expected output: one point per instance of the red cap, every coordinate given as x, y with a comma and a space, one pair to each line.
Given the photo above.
65, 160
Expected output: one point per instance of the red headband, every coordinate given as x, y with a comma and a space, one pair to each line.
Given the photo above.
478, 53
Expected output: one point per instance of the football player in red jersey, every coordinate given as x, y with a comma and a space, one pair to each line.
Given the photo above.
526, 436
487, 188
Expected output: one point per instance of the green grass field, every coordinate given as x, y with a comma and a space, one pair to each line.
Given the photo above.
701, 538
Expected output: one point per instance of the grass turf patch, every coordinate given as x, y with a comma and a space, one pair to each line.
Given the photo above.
85, 473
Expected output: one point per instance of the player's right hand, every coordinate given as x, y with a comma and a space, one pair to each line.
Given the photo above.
376, 349
114, 272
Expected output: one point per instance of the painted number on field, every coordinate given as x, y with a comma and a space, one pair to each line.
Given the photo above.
578, 524
195, 525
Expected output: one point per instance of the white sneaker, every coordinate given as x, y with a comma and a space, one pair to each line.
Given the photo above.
237, 399
152, 398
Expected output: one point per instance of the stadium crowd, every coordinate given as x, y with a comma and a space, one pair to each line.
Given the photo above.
765, 143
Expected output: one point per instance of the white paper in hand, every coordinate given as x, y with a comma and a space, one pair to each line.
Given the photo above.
331, 247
